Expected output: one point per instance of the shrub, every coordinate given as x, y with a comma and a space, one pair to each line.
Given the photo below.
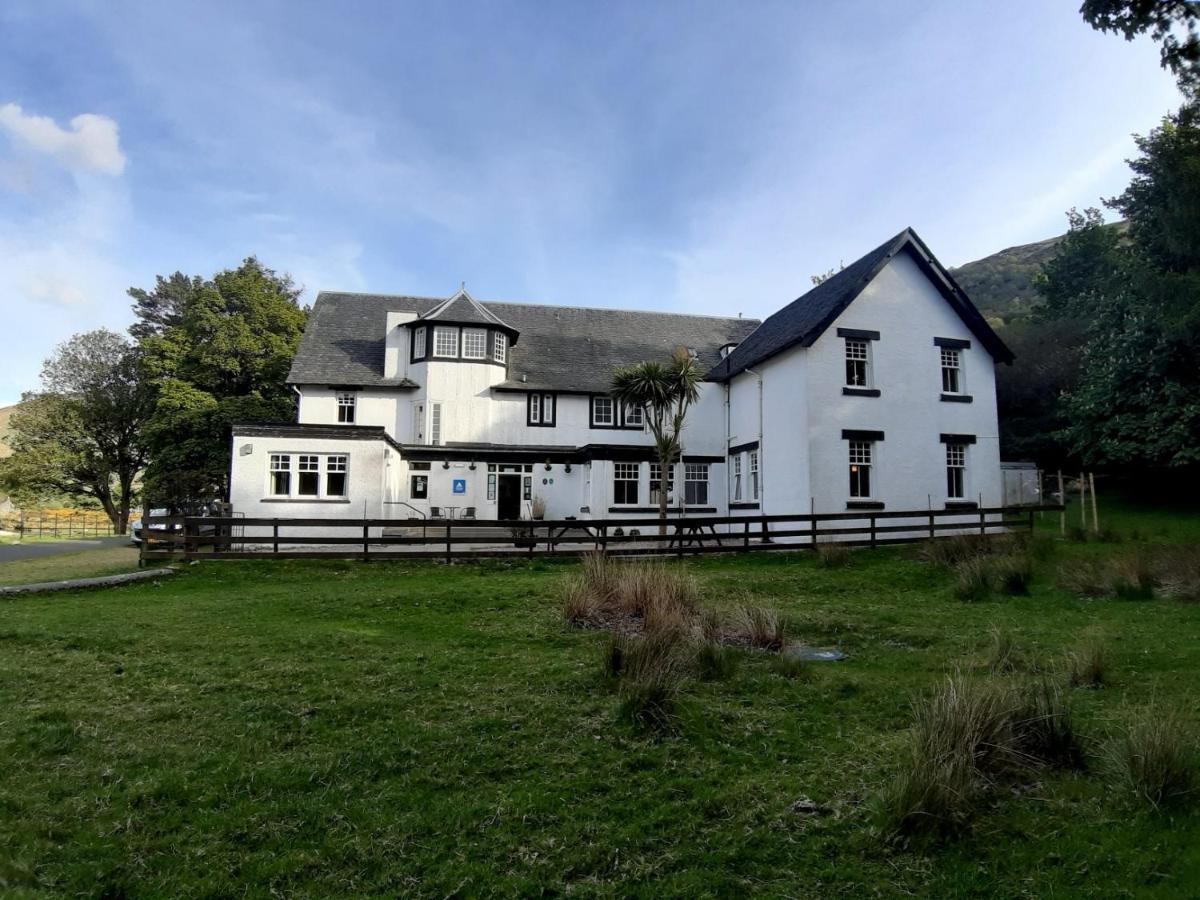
715, 662
833, 555
973, 578
1087, 666
760, 626
1155, 757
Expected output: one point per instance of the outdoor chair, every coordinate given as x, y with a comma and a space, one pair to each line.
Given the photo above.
435, 512
467, 513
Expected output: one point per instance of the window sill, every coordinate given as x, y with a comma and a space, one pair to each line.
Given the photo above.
671, 510
305, 500
860, 392
864, 504
957, 398
961, 504
743, 505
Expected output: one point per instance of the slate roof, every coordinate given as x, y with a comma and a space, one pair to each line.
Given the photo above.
803, 320
561, 348
463, 309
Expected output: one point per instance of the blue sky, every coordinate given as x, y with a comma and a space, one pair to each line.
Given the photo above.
702, 157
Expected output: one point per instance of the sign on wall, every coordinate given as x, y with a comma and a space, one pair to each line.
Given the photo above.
460, 485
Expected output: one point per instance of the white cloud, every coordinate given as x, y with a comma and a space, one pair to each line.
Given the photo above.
56, 290
91, 144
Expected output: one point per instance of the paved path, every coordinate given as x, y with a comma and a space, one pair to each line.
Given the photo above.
10, 552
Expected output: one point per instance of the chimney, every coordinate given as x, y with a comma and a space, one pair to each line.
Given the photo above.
396, 344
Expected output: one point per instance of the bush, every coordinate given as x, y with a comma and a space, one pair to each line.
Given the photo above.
1087, 666
760, 627
833, 555
1155, 757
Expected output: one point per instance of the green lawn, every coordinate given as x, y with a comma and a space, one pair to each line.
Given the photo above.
327, 729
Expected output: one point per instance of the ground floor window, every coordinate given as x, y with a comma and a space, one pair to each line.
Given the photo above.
335, 475
695, 484
656, 480
956, 471
860, 469
753, 474
308, 475
625, 483
309, 481
281, 474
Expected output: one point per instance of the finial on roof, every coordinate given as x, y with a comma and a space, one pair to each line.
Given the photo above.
462, 286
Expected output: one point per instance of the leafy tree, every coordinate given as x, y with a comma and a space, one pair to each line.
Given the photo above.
665, 391
1172, 23
82, 434
216, 351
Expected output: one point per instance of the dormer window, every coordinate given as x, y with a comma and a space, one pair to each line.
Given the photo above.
603, 412
499, 346
634, 417
445, 342
474, 343
346, 403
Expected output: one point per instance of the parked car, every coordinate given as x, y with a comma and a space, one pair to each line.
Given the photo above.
136, 529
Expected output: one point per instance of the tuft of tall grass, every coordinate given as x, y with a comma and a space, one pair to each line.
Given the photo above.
1004, 654
579, 604
973, 578
760, 626
1155, 757
792, 667
1177, 573
660, 594
968, 735
715, 662
1131, 575
832, 555
1087, 666
650, 670
950, 551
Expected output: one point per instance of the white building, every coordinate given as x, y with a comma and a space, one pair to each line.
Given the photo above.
875, 390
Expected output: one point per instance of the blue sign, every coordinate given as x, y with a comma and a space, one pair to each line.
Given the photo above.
460, 485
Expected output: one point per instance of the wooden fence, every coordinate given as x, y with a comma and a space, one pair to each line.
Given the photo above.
256, 538
73, 524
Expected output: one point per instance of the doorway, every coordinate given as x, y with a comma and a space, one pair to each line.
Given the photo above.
508, 497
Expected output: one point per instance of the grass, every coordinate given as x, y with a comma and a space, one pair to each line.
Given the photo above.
312, 729
61, 566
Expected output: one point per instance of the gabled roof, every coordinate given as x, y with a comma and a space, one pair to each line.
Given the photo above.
463, 309
805, 319
562, 348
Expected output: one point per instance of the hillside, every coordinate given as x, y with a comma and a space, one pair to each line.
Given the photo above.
5, 413
1001, 285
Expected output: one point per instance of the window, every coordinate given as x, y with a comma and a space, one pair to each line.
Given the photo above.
345, 406
860, 468
435, 423
655, 480
695, 484
499, 346
625, 483
308, 483
491, 489
956, 471
527, 487
474, 343
951, 371
419, 489
635, 417
753, 474
419, 343
858, 369
735, 464
602, 412
445, 342
335, 475
541, 409
281, 474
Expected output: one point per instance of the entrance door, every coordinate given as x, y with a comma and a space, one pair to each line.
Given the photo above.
508, 497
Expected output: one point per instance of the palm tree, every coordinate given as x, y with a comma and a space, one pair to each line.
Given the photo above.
665, 391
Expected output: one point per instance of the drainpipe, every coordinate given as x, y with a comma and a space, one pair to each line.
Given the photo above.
728, 473
762, 456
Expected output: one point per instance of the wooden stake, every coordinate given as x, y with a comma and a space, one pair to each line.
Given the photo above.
1062, 498
1095, 513
1082, 501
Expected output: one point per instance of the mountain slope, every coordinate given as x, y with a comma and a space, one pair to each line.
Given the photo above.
1001, 285
5, 413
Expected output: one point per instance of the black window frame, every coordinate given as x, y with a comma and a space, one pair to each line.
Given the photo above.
546, 400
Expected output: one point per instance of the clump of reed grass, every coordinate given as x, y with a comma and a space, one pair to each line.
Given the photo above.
833, 555
1004, 653
760, 626
1155, 757
1087, 665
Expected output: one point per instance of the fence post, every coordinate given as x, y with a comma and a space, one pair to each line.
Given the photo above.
746, 534
144, 535
275, 527
982, 522
449, 552
366, 542
872, 531
931, 528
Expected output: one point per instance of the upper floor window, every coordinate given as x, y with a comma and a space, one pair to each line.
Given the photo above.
695, 484
346, 401
602, 412
435, 423
419, 343
753, 474
499, 346
625, 483
634, 416
445, 342
956, 471
735, 463
474, 343
541, 409
951, 370
860, 469
858, 363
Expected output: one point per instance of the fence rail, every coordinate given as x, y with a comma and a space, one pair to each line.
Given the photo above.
60, 526
257, 538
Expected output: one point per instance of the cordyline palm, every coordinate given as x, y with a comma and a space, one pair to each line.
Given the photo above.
665, 391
